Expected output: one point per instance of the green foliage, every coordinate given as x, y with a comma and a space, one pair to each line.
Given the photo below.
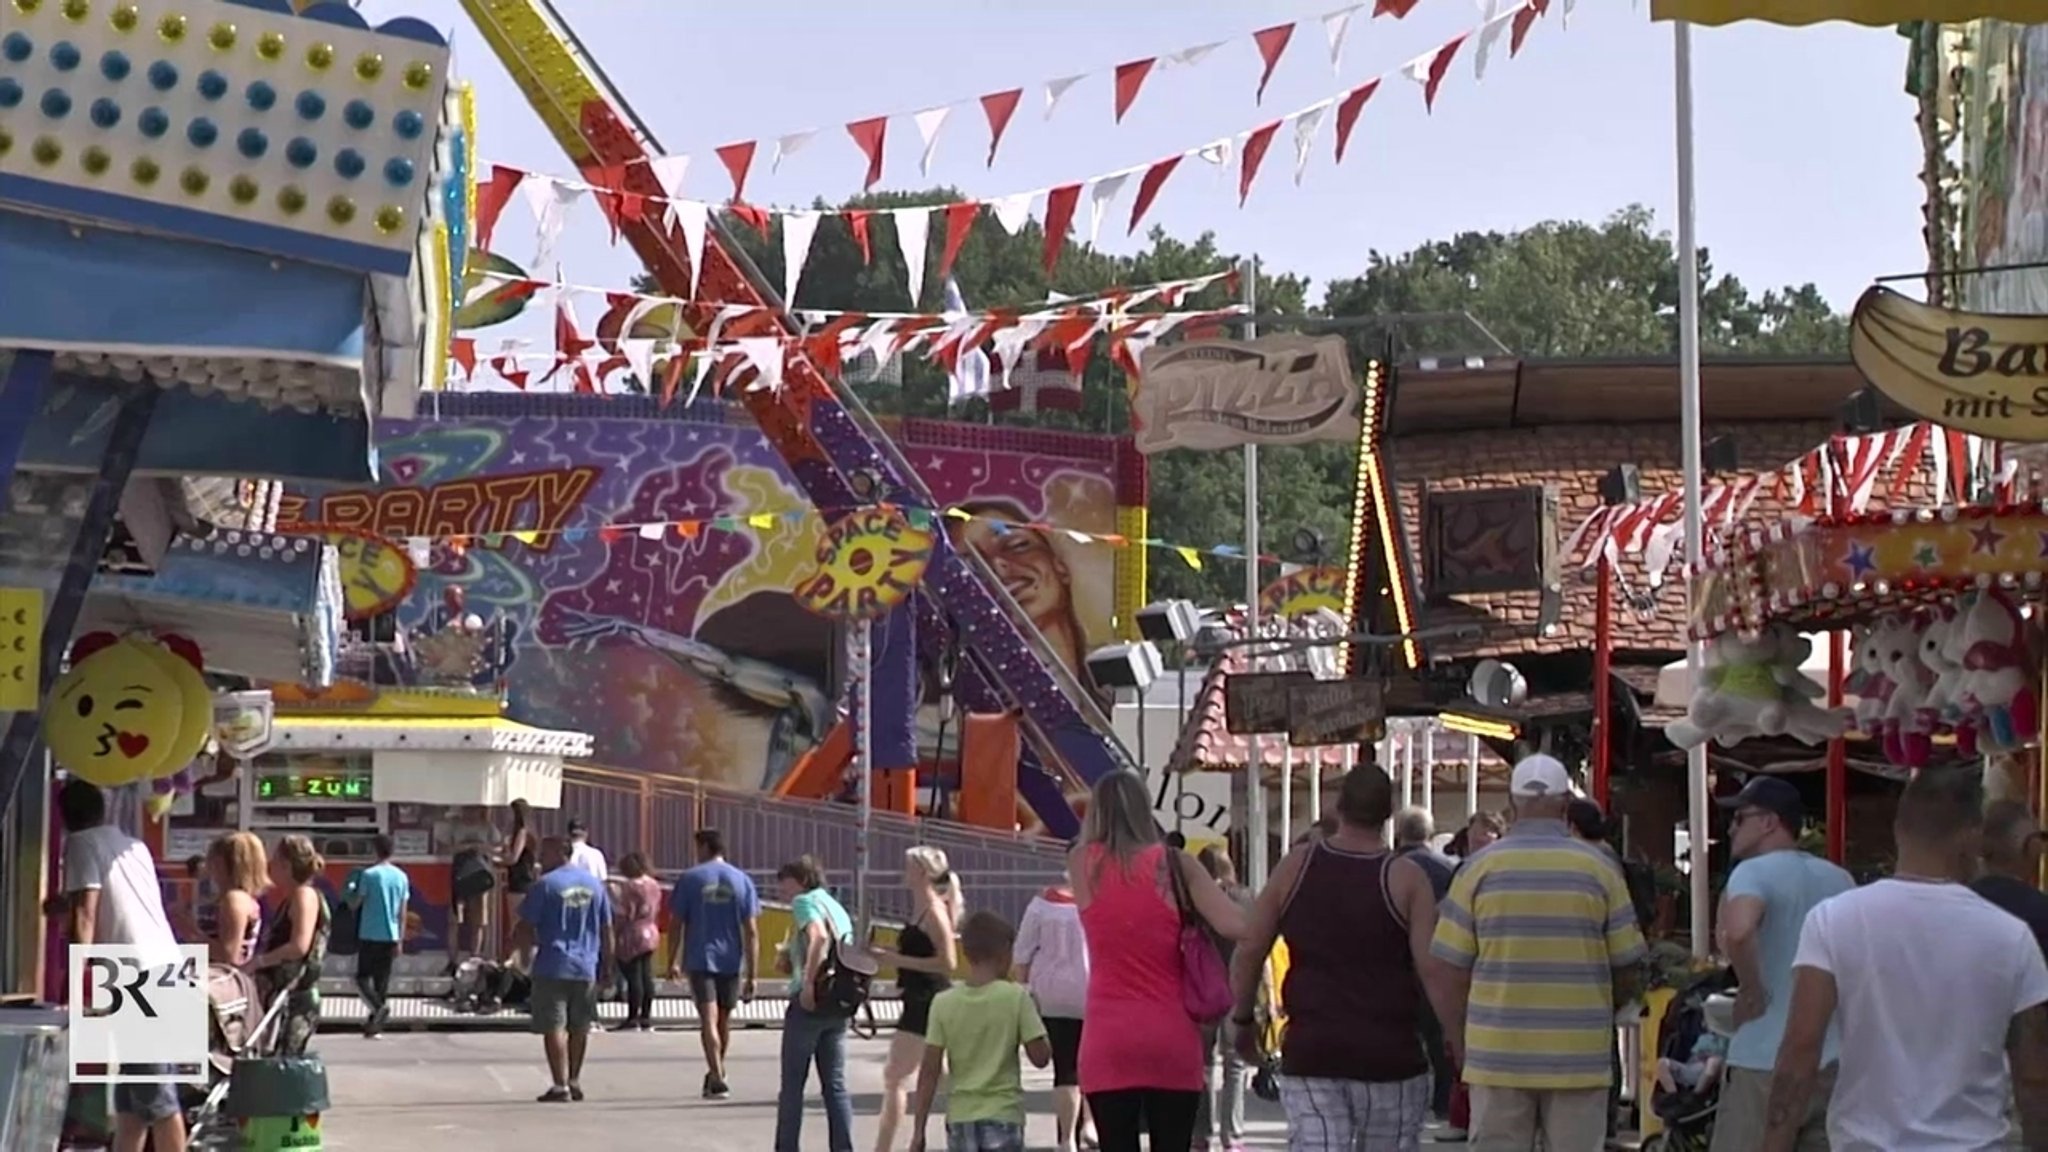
1555, 290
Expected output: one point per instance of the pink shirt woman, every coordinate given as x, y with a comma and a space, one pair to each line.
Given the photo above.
1142, 1063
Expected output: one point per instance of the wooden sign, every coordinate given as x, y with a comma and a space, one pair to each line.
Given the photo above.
1334, 712
1255, 703
21, 649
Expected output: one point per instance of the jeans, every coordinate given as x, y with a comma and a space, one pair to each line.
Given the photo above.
1441, 1075
807, 1038
1220, 1115
373, 979
639, 976
985, 1136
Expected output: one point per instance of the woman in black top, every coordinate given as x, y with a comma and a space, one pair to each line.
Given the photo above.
521, 866
925, 955
295, 946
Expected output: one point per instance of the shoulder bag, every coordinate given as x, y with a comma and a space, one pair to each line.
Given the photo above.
1204, 982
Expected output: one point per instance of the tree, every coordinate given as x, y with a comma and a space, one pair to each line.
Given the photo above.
1554, 290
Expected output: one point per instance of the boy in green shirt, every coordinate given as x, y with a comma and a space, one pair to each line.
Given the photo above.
976, 1028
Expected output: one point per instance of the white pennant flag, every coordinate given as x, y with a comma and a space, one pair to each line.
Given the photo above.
693, 217
928, 123
1189, 57
1054, 89
913, 226
1418, 68
1336, 26
1306, 123
651, 531
790, 145
639, 355
668, 173
1010, 344
765, 354
550, 201
1489, 35
1012, 212
1218, 152
798, 228
1101, 195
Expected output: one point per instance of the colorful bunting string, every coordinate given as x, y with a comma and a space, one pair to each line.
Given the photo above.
420, 548
1056, 207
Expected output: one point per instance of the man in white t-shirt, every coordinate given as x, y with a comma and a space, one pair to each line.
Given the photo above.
582, 855
1938, 993
111, 886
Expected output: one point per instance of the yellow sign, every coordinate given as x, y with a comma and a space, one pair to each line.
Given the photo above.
1974, 373
376, 574
1299, 593
21, 649
1874, 13
868, 562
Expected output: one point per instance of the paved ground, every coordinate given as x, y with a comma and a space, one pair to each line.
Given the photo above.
466, 1092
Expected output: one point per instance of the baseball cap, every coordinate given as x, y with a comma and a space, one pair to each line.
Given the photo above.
577, 826
1540, 775
1778, 797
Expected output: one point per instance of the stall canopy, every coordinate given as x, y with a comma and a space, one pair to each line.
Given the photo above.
1875, 13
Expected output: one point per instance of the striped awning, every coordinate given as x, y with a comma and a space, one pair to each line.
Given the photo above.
1875, 13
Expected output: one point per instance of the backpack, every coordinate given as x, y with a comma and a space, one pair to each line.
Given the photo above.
844, 980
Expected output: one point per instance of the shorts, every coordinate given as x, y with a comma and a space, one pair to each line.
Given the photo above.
1064, 1033
916, 1015
985, 1136
148, 1103
715, 988
563, 1005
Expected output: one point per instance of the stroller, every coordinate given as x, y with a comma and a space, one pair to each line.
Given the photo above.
239, 1026
1688, 1112
484, 986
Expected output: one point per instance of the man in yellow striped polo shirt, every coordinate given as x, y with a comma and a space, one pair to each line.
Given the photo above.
1540, 931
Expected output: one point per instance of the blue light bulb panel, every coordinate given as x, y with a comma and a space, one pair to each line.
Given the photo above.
309, 135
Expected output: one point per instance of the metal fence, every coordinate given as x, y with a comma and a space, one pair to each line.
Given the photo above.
658, 815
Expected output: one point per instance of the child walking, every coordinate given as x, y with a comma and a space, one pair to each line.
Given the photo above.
975, 1031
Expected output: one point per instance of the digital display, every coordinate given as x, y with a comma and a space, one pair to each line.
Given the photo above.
313, 786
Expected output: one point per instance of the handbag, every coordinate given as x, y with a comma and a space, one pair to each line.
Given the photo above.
1204, 983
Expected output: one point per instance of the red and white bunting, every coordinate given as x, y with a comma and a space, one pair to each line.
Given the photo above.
552, 199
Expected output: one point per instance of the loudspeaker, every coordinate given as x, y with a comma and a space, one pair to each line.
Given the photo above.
1623, 484
1126, 665
1862, 412
1720, 456
1169, 621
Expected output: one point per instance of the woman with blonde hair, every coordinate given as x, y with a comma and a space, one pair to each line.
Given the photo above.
296, 944
926, 952
236, 865
1142, 1064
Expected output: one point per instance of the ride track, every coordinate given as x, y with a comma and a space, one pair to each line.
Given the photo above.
828, 440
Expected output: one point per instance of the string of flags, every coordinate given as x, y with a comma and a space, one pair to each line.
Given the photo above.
1056, 208
420, 549
638, 331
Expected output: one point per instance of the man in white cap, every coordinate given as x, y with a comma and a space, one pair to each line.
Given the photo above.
1542, 937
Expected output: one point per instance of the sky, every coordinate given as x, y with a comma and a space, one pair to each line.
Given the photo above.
1807, 152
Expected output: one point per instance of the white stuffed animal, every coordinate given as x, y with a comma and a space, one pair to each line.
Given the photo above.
1936, 641
1796, 715
1908, 733
1866, 680
1955, 650
1998, 684
1738, 689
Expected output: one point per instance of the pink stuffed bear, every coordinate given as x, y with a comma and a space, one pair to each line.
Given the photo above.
1997, 690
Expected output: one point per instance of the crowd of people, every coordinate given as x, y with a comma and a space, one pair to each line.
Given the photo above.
1478, 986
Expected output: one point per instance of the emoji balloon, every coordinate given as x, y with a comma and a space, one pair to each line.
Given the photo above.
183, 663
116, 716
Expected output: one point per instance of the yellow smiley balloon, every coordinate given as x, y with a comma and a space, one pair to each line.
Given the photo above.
182, 662
114, 718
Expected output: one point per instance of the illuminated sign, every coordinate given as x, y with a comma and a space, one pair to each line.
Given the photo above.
376, 573
538, 502
868, 562
322, 786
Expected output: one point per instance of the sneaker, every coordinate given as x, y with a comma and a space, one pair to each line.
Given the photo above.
647, 1025
718, 1090
556, 1095
576, 1092
1451, 1136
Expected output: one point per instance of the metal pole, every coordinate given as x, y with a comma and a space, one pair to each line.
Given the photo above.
863, 763
1407, 766
1689, 432
1603, 681
1429, 768
1256, 846
1838, 753
1471, 777
1287, 795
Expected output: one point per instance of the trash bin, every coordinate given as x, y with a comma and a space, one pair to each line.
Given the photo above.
276, 1103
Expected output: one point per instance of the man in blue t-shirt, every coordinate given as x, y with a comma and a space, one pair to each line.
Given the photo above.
715, 911
566, 917
378, 894
1763, 908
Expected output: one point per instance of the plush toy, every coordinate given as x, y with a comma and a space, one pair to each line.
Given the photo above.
1866, 679
1997, 689
1955, 645
1908, 731
1743, 693
1937, 632
1795, 714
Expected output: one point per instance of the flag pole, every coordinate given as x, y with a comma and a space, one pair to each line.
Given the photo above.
1697, 802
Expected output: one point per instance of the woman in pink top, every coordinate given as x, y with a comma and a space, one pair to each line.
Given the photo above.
1142, 1063
636, 911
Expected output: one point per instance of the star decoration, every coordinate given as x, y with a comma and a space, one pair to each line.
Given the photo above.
1926, 555
1985, 538
1862, 560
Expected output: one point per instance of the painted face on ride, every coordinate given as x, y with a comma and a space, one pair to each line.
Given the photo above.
1023, 560
115, 717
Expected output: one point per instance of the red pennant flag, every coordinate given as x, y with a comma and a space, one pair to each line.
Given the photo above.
611, 534
1254, 154
570, 345
1438, 66
959, 218
509, 368
737, 158
1524, 20
999, 107
491, 198
869, 135
463, 351
1272, 42
672, 376
1348, 110
857, 223
1059, 216
754, 215
1129, 78
1395, 8
1148, 188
